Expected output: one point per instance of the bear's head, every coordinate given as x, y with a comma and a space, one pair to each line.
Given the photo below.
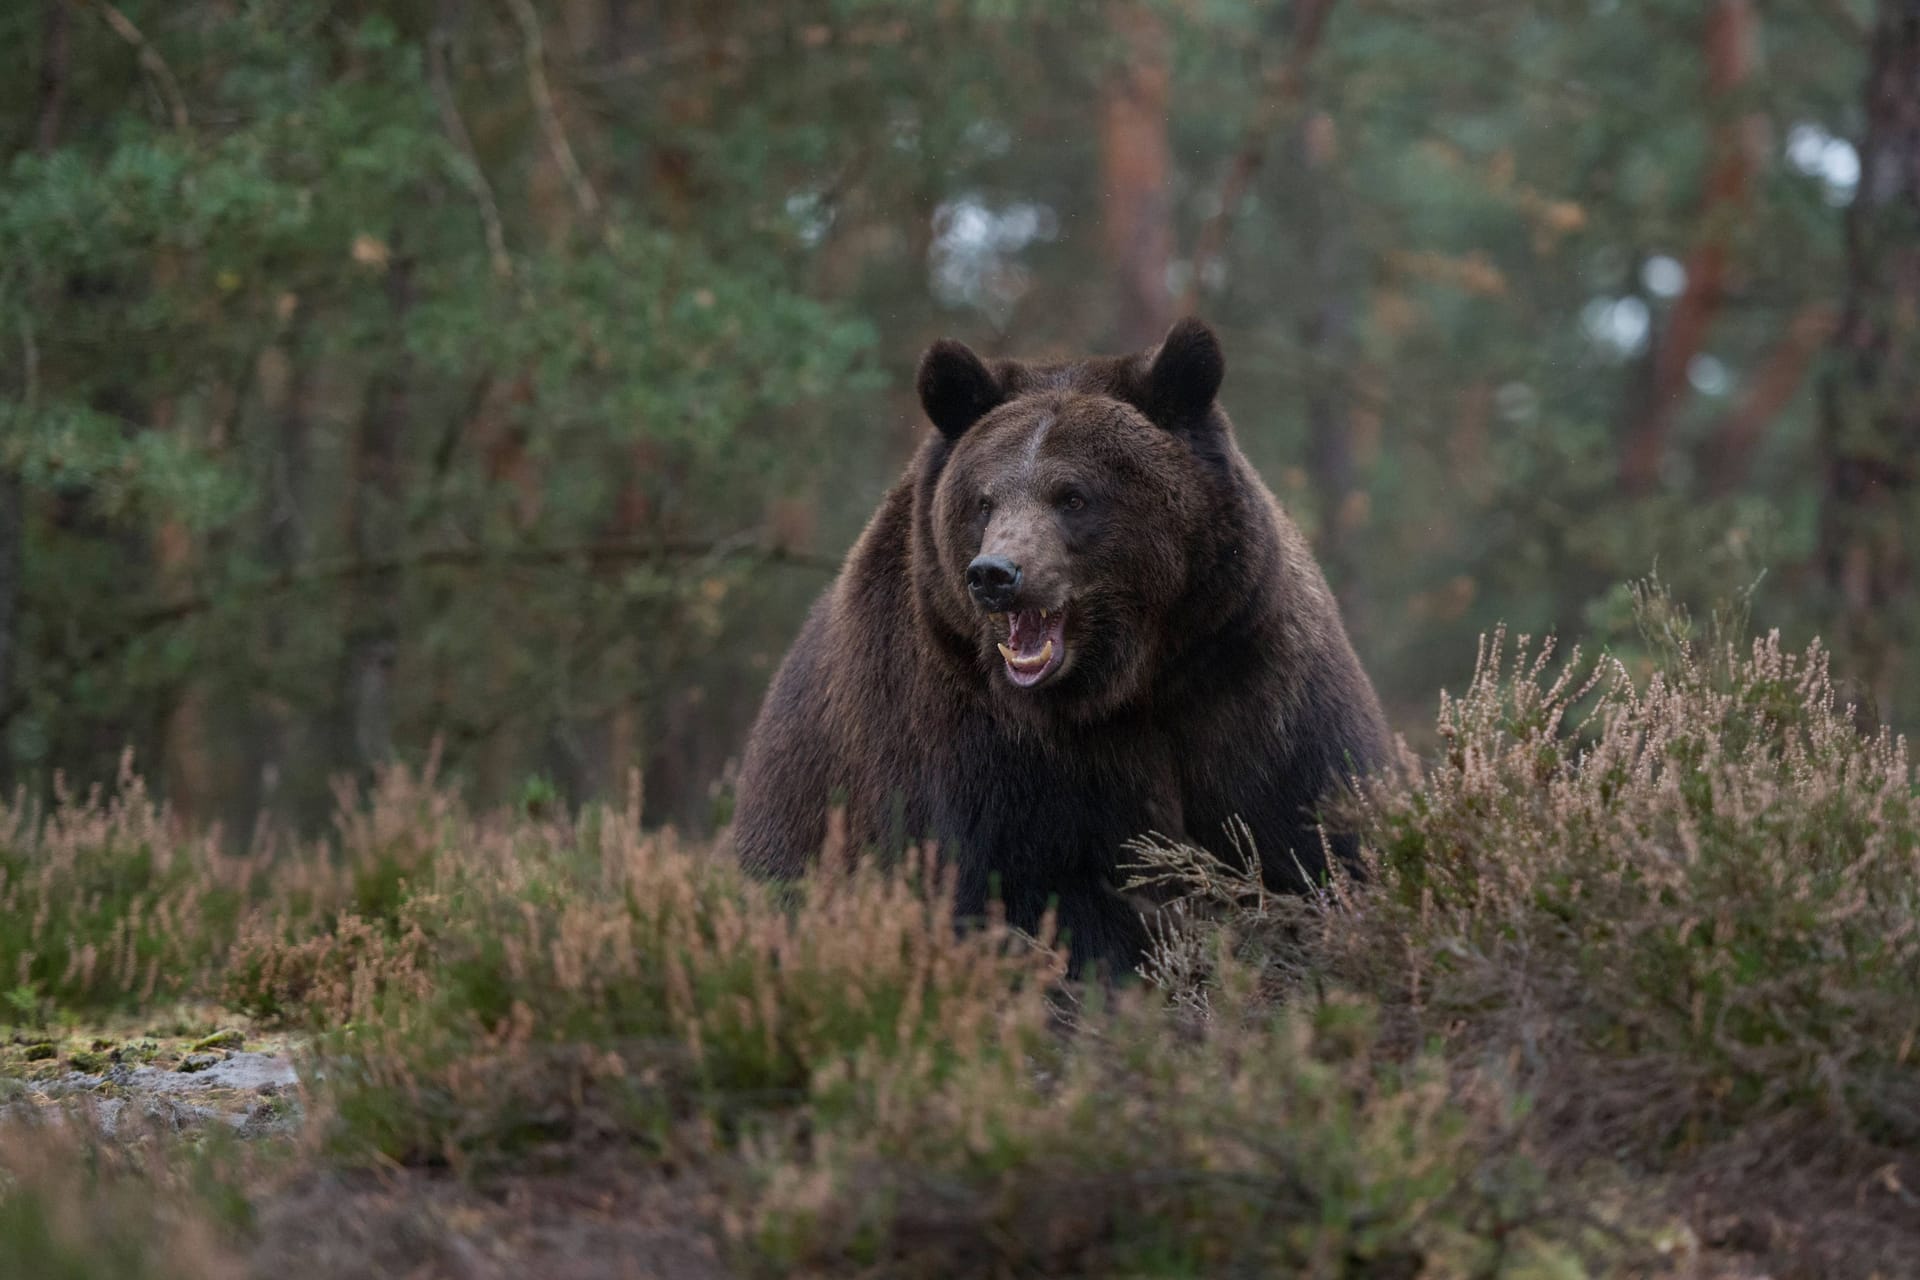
1067, 506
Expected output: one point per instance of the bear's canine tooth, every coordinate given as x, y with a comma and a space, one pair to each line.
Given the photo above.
1034, 663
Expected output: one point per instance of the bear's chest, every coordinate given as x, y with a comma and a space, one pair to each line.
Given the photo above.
1024, 806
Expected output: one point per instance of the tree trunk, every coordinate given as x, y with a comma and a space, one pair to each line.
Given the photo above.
286, 380
1326, 340
499, 439
12, 534
1137, 164
1870, 427
375, 524
50, 110
187, 770
1732, 42
56, 55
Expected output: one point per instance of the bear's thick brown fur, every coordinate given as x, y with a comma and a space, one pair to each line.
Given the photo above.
1201, 672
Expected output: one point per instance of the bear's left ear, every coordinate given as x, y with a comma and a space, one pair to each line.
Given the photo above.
956, 388
1185, 374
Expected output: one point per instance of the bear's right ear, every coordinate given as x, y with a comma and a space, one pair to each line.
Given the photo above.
1185, 374
956, 388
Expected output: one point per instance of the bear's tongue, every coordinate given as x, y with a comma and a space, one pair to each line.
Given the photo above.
1036, 643
1027, 632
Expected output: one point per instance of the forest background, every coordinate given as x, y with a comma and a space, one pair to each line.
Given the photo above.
501, 379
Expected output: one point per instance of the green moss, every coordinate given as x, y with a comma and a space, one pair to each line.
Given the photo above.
228, 1039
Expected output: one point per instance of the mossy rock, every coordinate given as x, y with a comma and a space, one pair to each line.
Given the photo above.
40, 1052
139, 1051
91, 1061
228, 1039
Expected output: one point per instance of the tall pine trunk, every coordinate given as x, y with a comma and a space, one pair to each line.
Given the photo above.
374, 526
56, 54
12, 536
1137, 165
1328, 343
286, 379
1738, 145
1870, 428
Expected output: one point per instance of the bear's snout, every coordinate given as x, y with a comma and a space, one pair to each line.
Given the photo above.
993, 581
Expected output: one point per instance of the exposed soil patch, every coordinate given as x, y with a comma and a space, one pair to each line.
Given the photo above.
598, 1221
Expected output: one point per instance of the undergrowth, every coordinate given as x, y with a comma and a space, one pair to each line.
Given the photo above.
1633, 947
104, 905
74, 1206
1679, 912
1706, 879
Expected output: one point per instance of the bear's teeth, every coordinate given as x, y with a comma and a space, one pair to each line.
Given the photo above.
1033, 663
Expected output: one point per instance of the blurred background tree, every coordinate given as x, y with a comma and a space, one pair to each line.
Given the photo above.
509, 374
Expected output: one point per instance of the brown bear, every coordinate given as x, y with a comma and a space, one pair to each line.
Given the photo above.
1079, 618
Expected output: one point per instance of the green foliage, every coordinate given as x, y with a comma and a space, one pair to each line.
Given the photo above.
203, 325
568, 361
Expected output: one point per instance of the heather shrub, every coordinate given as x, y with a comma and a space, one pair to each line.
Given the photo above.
1680, 904
345, 920
1633, 951
578, 980
878, 1086
104, 904
1269, 1141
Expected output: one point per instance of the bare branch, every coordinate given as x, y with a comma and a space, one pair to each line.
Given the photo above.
542, 94
149, 58
1735, 438
470, 171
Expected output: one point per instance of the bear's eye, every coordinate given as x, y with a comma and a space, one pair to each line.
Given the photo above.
1073, 501
986, 505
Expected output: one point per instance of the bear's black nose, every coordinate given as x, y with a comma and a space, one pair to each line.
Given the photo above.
993, 581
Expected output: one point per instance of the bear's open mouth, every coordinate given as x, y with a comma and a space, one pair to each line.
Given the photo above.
1036, 645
